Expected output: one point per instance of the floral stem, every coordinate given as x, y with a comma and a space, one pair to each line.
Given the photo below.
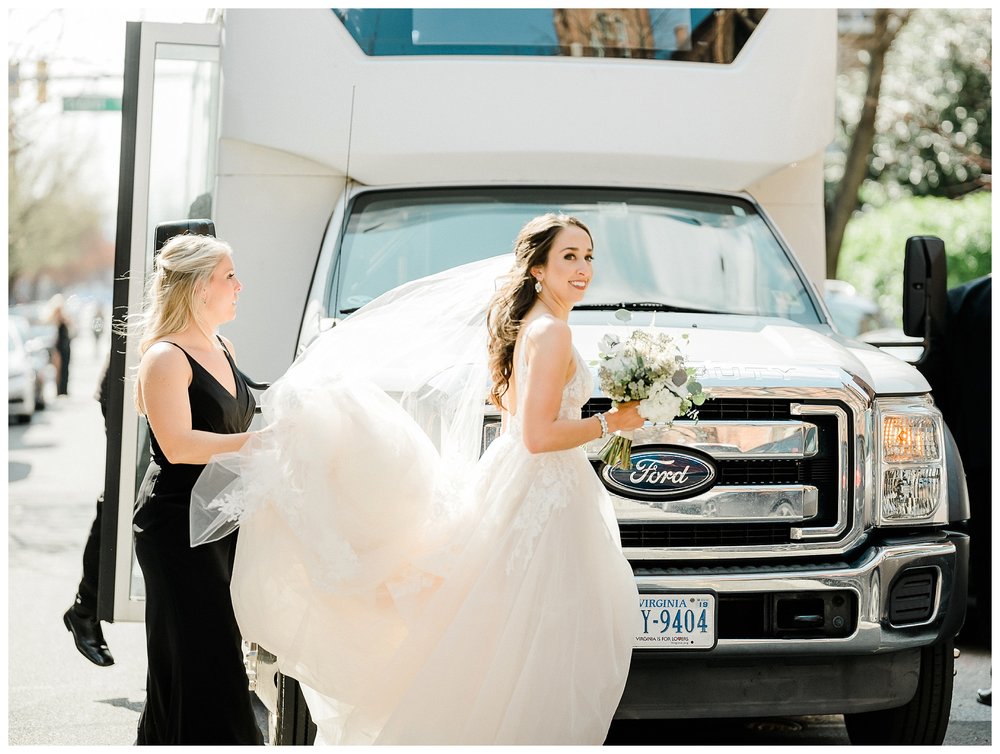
618, 452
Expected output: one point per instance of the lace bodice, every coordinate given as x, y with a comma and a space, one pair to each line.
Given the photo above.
554, 472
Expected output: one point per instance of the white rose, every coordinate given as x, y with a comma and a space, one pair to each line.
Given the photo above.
660, 406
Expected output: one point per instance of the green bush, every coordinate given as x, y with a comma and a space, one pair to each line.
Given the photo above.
871, 257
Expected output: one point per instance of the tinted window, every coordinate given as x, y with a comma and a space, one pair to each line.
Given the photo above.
701, 34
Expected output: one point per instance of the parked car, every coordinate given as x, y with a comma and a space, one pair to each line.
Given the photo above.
36, 340
853, 313
38, 315
20, 378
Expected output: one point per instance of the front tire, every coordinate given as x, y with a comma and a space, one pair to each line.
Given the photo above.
924, 719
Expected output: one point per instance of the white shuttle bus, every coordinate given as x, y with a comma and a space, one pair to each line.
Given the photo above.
345, 152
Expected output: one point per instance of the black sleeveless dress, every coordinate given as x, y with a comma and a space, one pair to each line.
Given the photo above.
196, 684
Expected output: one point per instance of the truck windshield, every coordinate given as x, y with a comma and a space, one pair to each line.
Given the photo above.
669, 250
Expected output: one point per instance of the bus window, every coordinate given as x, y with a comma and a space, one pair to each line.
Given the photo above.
696, 34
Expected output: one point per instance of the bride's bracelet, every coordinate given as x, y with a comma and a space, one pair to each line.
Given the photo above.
604, 425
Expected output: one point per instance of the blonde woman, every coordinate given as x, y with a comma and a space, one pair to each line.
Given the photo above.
197, 405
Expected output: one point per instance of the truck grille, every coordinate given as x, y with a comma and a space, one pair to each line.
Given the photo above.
743, 470
702, 535
731, 409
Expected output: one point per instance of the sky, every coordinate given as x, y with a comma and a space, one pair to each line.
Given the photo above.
85, 51
84, 38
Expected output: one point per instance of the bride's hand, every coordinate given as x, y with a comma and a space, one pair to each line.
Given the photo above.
625, 417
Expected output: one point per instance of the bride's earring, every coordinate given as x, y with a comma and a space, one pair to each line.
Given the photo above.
538, 286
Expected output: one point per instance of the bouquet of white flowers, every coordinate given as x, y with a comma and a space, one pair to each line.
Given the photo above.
650, 369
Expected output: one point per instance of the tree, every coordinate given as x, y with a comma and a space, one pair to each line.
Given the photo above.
914, 102
858, 136
53, 218
934, 132
875, 239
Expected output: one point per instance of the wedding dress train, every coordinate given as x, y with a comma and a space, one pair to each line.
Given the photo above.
420, 600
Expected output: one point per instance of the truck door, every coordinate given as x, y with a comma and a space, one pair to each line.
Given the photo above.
170, 108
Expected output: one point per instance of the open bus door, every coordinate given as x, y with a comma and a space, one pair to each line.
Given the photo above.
170, 128
167, 170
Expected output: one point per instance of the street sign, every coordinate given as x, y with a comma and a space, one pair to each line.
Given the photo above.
91, 102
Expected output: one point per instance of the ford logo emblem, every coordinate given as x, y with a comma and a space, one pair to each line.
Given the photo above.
662, 472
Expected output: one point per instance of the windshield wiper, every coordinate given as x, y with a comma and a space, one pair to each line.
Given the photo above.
642, 306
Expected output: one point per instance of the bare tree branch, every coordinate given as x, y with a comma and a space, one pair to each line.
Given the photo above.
887, 24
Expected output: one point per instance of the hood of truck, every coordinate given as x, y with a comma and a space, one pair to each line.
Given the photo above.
761, 352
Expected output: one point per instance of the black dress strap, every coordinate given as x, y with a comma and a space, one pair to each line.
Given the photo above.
177, 346
221, 343
224, 348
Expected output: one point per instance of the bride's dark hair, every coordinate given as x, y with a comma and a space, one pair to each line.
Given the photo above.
515, 298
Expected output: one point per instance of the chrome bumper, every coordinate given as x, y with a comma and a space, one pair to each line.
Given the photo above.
869, 577
875, 667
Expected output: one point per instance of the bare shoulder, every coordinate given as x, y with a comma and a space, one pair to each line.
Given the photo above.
548, 340
164, 360
548, 332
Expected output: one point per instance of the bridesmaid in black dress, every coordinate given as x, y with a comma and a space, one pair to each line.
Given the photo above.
197, 405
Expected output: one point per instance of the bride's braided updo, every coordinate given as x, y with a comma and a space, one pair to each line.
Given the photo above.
513, 301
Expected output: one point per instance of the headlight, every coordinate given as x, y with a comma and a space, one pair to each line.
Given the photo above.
912, 475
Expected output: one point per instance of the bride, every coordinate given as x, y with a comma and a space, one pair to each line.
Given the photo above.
419, 594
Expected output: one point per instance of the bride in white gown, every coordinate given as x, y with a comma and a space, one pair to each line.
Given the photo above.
422, 596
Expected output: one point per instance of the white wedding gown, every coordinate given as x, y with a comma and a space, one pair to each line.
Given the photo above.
418, 606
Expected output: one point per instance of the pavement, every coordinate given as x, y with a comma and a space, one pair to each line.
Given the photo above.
55, 696
56, 472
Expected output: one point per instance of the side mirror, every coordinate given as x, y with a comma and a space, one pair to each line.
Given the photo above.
925, 293
165, 231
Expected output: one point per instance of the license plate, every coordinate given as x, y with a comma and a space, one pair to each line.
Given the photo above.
684, 620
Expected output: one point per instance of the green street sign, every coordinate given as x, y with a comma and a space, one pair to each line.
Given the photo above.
85, 102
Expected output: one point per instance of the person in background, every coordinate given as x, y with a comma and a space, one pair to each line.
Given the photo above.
97, 327
63, 338
81, 618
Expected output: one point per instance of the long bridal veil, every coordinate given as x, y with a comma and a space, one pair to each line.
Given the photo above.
351, 502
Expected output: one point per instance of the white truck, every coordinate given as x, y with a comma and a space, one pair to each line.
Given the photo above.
818, 529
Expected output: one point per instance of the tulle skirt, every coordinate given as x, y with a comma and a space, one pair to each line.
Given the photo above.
420, 608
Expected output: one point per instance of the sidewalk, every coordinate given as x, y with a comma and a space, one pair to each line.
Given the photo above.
55, 472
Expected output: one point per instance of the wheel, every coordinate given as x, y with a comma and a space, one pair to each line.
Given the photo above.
924, 719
